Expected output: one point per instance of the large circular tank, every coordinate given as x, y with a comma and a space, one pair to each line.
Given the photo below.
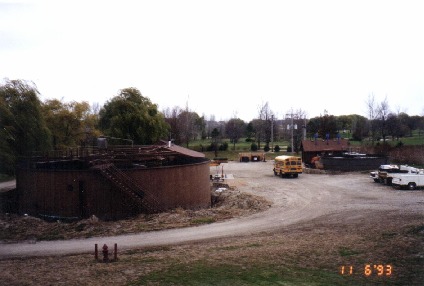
113, 185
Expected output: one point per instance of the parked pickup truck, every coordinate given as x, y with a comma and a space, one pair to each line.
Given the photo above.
409, 181
384, 174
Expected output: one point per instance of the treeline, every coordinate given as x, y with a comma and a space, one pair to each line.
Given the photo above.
27, 124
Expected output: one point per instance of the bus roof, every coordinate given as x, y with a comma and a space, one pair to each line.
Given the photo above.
285, 157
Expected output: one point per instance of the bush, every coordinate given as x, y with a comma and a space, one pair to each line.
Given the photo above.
276, 148
254, 147
211, 147
223, 146
289, 149
266, 148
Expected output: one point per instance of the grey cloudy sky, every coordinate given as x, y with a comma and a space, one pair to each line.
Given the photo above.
222, 58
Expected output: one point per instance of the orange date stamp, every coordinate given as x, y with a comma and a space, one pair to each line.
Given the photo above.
368, 270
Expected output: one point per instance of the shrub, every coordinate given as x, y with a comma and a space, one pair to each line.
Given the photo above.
276, 148
254, 147
211, 147
223, 146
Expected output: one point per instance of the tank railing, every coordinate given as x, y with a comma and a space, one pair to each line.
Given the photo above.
89, 154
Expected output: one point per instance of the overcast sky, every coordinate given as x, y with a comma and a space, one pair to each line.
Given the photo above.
222, 58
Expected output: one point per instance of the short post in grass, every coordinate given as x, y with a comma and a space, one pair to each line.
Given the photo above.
105, 253
96, 252
115, 252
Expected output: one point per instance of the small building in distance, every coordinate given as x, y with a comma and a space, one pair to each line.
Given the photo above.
322, 147
337, 155
252, 156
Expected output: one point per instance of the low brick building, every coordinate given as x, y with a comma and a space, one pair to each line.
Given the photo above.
321, 147
338, 155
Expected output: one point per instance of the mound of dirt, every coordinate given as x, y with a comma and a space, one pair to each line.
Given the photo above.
227, 203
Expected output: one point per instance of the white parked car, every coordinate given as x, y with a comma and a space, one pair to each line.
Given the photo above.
385, 173
410, 181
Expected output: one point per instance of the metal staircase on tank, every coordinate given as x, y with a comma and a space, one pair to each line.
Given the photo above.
127, 186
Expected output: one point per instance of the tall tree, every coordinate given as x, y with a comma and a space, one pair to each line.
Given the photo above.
323, 125
216, 138
131, 116
395, 128
383, 112
185, 125
250, 131
372, 116
71, 124
262, 124
358, 127
201, 126
189, 126
171, 117
235, 129
416, 123
23, 129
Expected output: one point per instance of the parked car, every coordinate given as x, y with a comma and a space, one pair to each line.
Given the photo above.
410, 181
384, 174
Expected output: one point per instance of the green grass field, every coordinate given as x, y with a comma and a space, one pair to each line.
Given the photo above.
233, 151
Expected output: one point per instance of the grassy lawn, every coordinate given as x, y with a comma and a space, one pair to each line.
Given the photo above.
416, 139
202, 273
232, 153
298, 257
242, 146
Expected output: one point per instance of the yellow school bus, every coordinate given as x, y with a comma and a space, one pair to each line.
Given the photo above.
287, 166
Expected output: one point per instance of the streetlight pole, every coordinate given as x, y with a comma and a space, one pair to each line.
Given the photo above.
272, 133
292, 127
292, 145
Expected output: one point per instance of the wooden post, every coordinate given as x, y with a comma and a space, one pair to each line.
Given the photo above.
105, 253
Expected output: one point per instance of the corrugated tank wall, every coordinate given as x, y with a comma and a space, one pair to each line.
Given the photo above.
82, 193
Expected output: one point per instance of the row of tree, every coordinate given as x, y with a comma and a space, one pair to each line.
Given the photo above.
27, 124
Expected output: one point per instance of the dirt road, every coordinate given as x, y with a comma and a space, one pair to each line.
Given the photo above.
311, 196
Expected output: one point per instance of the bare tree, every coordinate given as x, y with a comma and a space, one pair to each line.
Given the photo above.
372, 115
210, 125
294, 127
171, 117
187, 126
263, 124
383, 112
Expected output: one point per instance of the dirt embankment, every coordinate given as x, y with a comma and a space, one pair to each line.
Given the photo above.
227, 203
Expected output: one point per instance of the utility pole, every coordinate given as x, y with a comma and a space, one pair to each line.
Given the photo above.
272, 133
291, 127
